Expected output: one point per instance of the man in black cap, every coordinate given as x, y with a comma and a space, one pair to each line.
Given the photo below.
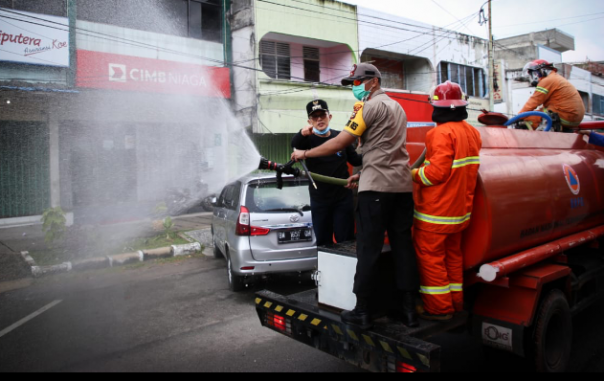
331, 205
385, 201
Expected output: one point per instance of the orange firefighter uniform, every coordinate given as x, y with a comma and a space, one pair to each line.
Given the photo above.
443, 197
557, 95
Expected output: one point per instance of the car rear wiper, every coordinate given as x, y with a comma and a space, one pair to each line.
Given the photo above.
285, 210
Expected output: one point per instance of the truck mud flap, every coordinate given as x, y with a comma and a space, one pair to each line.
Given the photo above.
380, 348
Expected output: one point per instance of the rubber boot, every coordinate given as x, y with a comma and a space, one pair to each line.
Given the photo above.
358, 316
409, 316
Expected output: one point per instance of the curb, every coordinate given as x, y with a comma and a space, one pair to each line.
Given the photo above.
115, 260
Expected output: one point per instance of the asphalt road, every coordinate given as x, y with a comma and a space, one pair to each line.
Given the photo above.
181, 317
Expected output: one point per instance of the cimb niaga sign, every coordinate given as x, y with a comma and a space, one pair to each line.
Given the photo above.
119, 72
34, 38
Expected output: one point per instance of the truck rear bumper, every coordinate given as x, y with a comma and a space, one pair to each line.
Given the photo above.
384, 348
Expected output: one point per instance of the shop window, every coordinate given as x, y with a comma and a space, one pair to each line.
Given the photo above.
471, 79
205, 20
312, 71
275, 59
47, 7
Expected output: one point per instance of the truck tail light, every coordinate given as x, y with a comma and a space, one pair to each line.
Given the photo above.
401, 367
243, 224
279, 322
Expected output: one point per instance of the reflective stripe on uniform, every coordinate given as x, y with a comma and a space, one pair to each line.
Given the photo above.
542, 90
466, 161
440, 219
423, 177
434, 290
570, 124
456, 287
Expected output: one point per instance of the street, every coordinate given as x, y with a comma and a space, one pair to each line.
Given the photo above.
180, 316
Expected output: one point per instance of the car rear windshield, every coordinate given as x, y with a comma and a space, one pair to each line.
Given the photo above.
265, 197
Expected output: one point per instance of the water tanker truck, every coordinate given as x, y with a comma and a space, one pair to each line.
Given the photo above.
533, 258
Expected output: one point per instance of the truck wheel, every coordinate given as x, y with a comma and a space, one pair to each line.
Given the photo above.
552, 333
235, 281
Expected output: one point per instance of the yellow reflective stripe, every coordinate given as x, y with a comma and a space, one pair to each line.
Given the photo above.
441, 220
466, 161
542, 90
567, 123
426, 162
423, 177
434, 290
456, 287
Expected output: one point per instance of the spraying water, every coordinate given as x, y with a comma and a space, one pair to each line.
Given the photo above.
121, 153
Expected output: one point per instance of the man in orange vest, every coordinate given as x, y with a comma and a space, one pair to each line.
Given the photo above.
443, 197
555, 93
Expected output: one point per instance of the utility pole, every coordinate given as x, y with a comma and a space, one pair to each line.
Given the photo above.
491, 88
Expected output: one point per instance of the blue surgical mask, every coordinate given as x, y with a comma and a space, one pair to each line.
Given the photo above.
360, 92
317, 132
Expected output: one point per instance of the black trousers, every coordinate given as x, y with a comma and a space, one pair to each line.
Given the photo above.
376, 213
333, 217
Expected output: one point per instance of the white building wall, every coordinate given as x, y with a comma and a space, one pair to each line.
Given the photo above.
415, 39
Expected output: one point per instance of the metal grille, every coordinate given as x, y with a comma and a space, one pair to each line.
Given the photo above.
24, 169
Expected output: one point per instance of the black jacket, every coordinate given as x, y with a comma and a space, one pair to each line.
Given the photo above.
332, 166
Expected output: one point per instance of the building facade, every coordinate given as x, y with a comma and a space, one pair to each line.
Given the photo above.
286, 54
102, 104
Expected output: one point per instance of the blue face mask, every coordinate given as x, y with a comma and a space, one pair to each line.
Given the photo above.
321, 132
360, 92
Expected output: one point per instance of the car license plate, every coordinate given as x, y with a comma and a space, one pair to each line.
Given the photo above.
295, 235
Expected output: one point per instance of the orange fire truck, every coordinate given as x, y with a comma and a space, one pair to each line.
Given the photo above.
533, 257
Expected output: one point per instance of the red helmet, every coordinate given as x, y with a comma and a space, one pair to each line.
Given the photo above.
538, 65
537, 69
448, 94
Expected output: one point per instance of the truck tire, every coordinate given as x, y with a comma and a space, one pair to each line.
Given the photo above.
552, 334
235, 281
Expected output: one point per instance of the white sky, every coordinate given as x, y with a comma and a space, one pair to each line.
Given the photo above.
582, 19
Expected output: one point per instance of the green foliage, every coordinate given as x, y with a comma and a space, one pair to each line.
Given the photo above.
168, 224
53, 224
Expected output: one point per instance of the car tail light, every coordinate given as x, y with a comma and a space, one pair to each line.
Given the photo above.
279, 322
243, 224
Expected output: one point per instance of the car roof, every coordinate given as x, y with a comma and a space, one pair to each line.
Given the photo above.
267, 176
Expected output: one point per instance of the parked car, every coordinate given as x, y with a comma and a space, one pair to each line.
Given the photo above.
261, 229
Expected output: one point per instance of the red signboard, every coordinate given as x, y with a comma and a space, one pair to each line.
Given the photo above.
118, 72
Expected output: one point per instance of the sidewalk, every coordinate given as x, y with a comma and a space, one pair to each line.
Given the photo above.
16, 272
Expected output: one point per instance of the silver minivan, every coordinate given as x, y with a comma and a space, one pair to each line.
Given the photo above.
261, 229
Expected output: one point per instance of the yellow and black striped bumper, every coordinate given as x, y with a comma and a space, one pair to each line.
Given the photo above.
379, 340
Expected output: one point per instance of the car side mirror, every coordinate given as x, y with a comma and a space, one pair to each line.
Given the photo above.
214, 201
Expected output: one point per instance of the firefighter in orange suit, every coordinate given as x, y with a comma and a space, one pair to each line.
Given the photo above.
443, 197
555, 93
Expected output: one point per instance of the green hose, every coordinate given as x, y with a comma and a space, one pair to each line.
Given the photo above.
343, 182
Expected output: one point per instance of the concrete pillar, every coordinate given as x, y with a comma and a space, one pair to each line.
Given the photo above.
55, 184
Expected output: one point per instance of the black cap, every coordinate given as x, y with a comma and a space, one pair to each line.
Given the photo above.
316, 105
361, 71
